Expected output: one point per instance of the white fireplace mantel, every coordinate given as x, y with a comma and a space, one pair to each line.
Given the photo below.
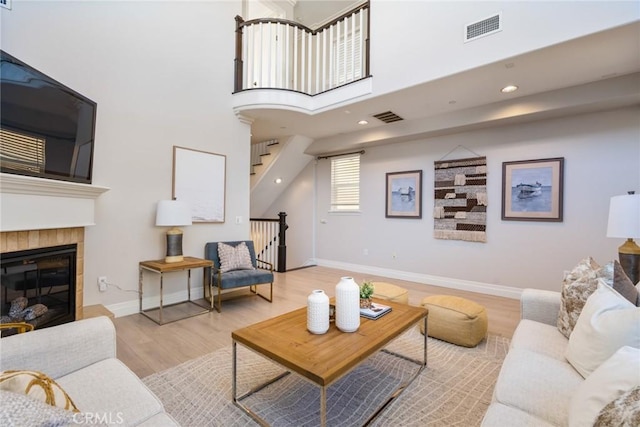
29, 203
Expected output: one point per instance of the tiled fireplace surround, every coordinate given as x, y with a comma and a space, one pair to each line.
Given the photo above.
11, 241
38, 213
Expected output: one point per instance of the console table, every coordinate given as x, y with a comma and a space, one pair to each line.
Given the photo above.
161, 267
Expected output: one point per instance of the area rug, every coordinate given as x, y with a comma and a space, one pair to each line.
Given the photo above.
454, 389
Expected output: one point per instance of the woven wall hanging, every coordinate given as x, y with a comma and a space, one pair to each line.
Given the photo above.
460, 200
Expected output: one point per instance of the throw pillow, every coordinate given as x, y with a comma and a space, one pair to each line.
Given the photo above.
577, 285
234, 257
622, 412
581, 282
620, 281
38, 386
607, 383
607, 322
20, 410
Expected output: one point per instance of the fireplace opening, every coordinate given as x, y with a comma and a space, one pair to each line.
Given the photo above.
38, 286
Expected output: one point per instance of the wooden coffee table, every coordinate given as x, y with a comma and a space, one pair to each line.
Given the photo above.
323, 359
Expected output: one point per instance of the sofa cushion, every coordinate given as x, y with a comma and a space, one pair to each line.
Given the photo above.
617, 375
537, 384
499, 415
234, 257
607, 322
109, 390
540, 338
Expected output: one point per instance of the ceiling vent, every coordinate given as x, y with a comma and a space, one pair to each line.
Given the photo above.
388, 117
485, 27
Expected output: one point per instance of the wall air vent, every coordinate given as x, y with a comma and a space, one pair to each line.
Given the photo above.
388, 117
485, 27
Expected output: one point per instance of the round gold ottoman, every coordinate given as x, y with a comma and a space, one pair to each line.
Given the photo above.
390, 292
455, 320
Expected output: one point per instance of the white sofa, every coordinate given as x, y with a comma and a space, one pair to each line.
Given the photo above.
536, 381
538, 386
81, 357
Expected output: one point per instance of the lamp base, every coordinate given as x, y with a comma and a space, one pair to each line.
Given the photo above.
629, 255
174, 246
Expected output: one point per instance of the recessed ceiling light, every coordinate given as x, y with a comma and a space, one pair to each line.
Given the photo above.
363, 122
509, 89
278, 180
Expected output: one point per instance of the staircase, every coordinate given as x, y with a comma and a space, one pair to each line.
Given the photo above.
271, 160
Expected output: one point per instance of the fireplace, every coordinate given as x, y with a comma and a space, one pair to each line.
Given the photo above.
40, 284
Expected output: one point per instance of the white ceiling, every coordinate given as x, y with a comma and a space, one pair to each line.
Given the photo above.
540, 75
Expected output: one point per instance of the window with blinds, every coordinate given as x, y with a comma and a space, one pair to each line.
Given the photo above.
345, 183
22, 153
349, 63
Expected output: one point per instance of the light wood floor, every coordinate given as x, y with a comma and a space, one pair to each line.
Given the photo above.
146, 347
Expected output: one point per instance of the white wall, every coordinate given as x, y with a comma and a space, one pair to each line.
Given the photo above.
427, 35
161, 73
602, 159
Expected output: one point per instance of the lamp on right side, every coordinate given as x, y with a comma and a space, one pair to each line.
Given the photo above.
624, 222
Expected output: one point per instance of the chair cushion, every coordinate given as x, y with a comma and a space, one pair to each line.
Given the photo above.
455, 320
240, 278
390, 292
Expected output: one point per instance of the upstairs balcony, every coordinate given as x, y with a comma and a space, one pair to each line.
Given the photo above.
284, 64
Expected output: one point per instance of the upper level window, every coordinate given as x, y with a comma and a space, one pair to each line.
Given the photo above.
22, 153
345, 183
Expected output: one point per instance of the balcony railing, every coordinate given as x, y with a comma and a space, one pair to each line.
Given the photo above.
281, 54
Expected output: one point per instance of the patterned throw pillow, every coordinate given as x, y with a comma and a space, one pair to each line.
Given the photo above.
234, 257
577, 285
623, 411
38, 386
581, 282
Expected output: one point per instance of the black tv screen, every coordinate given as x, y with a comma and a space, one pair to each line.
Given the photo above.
47, 129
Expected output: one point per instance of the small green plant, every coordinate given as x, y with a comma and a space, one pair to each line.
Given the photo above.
366, 289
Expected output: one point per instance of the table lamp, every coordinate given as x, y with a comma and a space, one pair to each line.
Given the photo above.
173, 213
624, 221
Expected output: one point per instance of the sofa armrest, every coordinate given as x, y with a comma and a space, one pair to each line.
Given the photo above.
62, 349
539, 305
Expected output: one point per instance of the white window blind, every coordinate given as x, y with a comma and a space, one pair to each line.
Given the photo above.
345, 71
21, 152
345, 183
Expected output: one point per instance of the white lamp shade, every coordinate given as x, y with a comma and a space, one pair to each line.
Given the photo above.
624, 216
173, 213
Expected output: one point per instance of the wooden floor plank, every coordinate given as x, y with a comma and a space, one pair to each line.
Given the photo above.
146, 347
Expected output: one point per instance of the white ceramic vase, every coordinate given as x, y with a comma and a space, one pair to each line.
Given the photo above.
347, 305
318, 312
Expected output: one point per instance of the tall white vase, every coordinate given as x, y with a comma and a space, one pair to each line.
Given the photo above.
347, 305
318, 312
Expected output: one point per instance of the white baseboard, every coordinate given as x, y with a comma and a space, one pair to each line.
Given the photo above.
445, 282
132, 307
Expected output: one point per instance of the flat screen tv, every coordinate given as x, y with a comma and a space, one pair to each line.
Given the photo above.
47, 129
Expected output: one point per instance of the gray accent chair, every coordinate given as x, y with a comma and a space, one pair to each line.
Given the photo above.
262, 273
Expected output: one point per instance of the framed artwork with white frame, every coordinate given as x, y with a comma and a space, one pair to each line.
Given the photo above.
199, 178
